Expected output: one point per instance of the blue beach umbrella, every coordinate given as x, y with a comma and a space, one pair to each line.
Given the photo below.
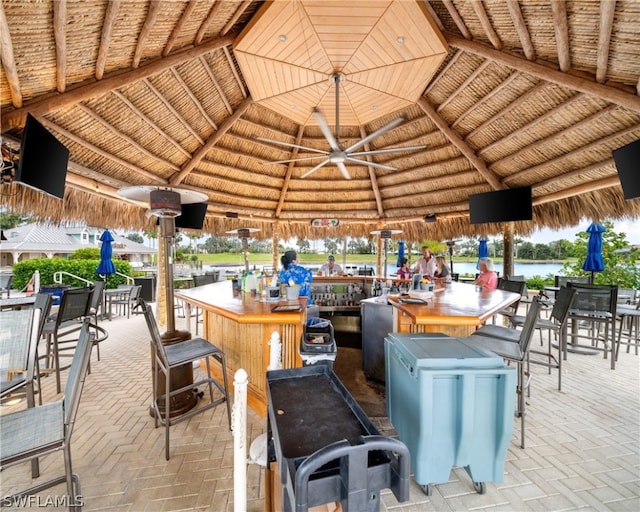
594, 262
483, 250
106, 266
400, 253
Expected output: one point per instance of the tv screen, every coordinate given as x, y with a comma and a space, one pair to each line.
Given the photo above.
192, 216
43, 160
627, 160
507, 205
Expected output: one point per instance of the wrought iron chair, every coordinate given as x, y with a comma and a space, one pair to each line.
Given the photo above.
31, 433
517, 353
172, 356
594, 306
74, 307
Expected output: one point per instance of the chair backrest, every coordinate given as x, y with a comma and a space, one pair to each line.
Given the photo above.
525, 291
134, 294
562, 304
152, 325
201, 280
43, 303
564, 280
76, 377
19, 335
97, 296
74, 304
512, 286
600, 298
5, 281
529, 325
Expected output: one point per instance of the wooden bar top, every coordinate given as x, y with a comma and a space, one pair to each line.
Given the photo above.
455, 309
241, 308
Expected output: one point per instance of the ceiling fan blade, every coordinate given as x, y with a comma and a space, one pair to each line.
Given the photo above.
371, 136
324, 127
372, 164
295, 160
310, 171
289, 145
343, 170
387, 150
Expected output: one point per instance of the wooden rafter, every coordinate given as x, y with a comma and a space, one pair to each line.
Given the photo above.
607, 12
8, 60
561, 28
521, 28
372, 178
143, 36
108, 25
60, 36
177, 29
486, 24
287, 176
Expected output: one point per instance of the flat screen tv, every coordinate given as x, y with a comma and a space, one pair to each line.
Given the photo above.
507, 205
43, 160
192, 216
627, 159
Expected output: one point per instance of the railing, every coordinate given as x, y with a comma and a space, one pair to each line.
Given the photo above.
129, 279
57, 277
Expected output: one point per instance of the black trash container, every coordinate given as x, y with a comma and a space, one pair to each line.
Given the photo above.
318, 344
148, 290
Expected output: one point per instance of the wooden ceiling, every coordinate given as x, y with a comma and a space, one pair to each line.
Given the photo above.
165, 93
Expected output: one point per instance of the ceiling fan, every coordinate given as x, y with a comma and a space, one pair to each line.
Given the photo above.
337, 155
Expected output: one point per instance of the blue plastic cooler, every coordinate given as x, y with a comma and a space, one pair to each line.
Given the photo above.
452, 404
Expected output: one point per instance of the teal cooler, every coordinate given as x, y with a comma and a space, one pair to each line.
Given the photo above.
452, 404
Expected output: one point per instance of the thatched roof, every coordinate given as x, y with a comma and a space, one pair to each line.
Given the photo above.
527, 92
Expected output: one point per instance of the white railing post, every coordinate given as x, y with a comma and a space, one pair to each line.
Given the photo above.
239, 427
275, 354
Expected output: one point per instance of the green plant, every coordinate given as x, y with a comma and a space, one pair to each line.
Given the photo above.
22, 271
87, 253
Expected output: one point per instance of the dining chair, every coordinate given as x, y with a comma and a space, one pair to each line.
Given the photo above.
556, 323
42, 303
516, 353
525, 292
95, 305
172, 356
128, 299
594, 307
628, 314
31, 433
5, 285
510, 286
74, 306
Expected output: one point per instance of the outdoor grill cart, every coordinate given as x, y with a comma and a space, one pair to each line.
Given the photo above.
326, 448
452, 404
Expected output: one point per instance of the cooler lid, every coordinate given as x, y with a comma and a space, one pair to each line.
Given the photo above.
433, 350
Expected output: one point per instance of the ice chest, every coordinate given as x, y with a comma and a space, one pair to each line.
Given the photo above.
452, 404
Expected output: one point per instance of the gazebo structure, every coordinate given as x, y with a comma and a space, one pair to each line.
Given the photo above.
240, 100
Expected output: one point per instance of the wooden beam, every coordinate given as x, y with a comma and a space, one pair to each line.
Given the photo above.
521, 29
457, 19
143, 36
8, 60
585, 188
604, 92
236, 15
481, 13
212, 141
194, 99
208, 21
561, 28
372, 177
576, 173
214, 81
40, 107
60, 37
464, 84
607, 12
108, 24
177, 29
287, 176
462, 146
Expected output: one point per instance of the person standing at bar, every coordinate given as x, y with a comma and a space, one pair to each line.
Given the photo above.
426, 264
292, 273
330, 268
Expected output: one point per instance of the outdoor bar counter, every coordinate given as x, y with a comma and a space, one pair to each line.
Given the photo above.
456, 309
241, 326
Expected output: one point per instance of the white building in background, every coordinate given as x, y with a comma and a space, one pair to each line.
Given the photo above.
48, 241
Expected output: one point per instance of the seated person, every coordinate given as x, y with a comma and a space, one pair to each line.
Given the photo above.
292, 273
487, 278
404, 272
330, 268
442, 273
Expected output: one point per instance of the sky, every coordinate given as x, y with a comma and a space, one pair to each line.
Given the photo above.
630, 227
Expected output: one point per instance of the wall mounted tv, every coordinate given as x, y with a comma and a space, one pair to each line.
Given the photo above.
43, 160
627, 159
507, 205
192, 216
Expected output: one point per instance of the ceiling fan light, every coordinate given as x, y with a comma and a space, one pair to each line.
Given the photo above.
400, 39
282, 38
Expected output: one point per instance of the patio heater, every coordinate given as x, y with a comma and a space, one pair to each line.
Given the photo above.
244, 234
385, 235
165, 203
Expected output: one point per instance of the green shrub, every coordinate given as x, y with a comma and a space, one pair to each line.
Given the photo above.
86, 253
23, 270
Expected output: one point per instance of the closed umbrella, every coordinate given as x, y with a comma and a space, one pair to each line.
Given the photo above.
594, 262
400, 253
483, 250
106, 266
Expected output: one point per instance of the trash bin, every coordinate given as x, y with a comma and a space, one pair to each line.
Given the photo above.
452, 404
148, 290
318, 344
